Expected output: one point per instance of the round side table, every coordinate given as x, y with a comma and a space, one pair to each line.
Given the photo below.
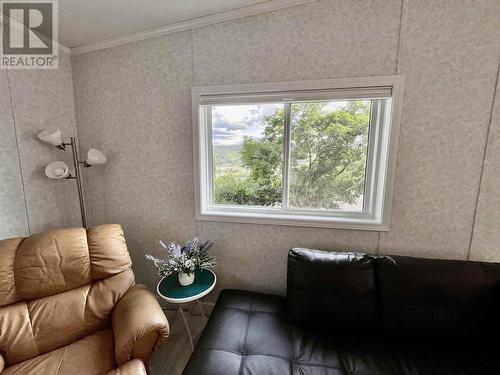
171, 291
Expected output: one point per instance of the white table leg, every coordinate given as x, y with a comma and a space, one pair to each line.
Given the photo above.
202, 308
187, 327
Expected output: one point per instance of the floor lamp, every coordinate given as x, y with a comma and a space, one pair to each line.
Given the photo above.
59, 170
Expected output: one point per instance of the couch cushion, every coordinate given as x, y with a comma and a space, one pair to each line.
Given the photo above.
333, 291
8, 249
440, 300
92, 355
246, 330
249, 333
107, 250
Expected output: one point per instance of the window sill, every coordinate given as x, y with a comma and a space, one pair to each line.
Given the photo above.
352, 223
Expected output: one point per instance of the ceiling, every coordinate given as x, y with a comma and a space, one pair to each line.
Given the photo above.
82, 22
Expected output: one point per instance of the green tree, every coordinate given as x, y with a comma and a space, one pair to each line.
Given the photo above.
327, 159
328, 154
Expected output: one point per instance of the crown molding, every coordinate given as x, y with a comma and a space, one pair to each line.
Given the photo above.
194, 23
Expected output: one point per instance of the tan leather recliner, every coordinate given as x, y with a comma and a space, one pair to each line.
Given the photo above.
69, 305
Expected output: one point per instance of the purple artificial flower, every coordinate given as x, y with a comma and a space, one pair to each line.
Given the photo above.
175, 249
206, 246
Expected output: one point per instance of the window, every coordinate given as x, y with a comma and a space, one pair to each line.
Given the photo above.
309, 153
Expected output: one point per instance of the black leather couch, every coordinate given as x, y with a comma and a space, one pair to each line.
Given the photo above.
352, 313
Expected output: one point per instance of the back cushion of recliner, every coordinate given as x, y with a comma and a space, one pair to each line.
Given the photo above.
59, 286
439, 300
334, 291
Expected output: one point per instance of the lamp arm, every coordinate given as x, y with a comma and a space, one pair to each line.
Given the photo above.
84, 163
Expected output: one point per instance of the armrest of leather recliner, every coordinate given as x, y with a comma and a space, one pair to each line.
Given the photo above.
2, 363
133, 367
139, 325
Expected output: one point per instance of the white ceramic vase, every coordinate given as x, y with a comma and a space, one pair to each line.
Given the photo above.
186, 279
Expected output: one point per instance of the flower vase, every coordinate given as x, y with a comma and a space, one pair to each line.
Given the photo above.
186, 279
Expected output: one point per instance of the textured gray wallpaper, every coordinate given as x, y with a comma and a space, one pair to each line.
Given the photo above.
449, 52
32, 100
133, 102
13, 216
486, 239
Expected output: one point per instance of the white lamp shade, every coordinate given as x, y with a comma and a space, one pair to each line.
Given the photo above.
57, 170
95, 157
52, 136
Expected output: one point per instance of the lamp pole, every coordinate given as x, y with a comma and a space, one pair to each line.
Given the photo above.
78, 178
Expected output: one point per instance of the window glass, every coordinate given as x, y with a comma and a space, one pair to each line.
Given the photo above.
247, 143
328, 152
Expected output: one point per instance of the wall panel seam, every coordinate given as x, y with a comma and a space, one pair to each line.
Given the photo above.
401, 12
378, 242
485, 150
194, 58
21, 174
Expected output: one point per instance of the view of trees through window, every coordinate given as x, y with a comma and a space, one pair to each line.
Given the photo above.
328, 148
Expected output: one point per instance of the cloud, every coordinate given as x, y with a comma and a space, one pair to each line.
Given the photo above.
230, 124
227, 132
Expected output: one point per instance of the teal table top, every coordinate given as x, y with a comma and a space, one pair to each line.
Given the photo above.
170, 289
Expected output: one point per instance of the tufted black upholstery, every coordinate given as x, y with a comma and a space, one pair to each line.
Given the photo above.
440, 300
327, 288
409, 302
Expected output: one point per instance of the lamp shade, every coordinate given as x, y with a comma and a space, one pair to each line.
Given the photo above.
52, 136
57, 170
95, 157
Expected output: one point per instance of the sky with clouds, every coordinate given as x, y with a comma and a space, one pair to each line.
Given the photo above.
230, 124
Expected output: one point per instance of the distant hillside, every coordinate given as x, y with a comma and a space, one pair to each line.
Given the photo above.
227, 154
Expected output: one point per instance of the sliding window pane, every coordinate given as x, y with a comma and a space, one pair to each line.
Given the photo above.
248, 154
328, 152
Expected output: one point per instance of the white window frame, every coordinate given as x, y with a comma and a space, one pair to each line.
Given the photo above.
381, 160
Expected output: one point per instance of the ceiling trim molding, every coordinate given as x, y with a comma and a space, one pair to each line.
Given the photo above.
194, 23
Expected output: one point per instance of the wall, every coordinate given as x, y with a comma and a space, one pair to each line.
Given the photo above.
13, 218
133, 102
32, 100
485, 243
